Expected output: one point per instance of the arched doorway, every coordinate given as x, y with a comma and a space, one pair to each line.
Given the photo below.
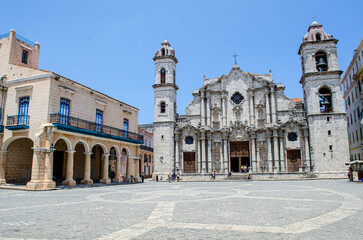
96, 163
59, 161
124, 163
79, 162
19, 161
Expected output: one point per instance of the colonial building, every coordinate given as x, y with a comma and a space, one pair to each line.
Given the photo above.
146, 152
243, 118
56, 130
352, 88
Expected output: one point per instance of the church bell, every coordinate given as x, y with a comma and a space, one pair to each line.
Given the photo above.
321, 63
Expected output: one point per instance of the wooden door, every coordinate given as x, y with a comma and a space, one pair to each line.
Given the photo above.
293, 160
189, 162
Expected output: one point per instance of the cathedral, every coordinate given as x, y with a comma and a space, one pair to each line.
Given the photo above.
244, 119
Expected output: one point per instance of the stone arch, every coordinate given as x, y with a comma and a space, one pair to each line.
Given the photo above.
97, 159
117, 149
125, 154
6, 144
67, 141
85, 145
19, 160
79, 159
102, 146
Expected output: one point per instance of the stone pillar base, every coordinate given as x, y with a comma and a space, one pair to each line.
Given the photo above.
2, 181
69, 182
87, 181
40, 185
105, 180
117, 180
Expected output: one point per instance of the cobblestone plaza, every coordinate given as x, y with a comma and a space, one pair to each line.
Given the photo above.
312, 209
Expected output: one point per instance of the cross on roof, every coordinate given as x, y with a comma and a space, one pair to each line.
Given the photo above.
314, 18
235, 58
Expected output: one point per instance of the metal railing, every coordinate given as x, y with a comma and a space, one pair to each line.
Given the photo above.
146, 148
16, 120
92, 126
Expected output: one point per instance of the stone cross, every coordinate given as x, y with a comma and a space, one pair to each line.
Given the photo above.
235, 58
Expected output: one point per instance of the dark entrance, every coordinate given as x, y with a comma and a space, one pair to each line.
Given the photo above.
293, 160
239, 155
58, 162
189, 162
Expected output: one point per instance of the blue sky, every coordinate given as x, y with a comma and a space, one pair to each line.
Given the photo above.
109, 45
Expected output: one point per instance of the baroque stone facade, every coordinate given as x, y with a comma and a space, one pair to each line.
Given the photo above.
245, 119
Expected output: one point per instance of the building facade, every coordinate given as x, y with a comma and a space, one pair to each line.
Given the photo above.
245, 119
57, 131
146, 153
352, 89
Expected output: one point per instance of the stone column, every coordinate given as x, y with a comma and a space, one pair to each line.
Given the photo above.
253, 153
38, 171
250, 98
69, 171
225, 154
273, 105
3, 157
221, 170
182, 162
137, 169
198, 156
282, 155
307, 151
258, 156
117, 177
208, 110
202, 112
224, 112
87, 169
203, 152
177, 166
267, 106
276, 152
209, 153
269, 154
105, 178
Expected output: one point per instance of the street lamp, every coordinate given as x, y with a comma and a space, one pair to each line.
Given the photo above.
51, 148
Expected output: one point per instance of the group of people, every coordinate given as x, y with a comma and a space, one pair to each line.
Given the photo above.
173, 177
244, 168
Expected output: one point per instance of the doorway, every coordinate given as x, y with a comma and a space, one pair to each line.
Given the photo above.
293, 160
240, 155
189, 162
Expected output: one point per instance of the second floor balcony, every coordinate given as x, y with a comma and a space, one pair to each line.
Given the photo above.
146, 148
17, 122
73, 124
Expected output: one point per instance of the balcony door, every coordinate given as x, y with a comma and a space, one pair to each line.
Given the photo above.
23, 111
64, 111
99, 120
126, 127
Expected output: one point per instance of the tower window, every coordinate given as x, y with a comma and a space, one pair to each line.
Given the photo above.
331, 147
325, 100
162, 107
321, 61
162, 52
162, 75
328, 119
318, 37
329, 132
24, 57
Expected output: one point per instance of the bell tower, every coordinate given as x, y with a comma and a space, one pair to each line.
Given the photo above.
323, 99
165, 91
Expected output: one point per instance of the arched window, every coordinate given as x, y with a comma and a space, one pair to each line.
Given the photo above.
162, 75
162, 52
64, 111
325, 100
321, 61
318, 37
99, 120
162, 107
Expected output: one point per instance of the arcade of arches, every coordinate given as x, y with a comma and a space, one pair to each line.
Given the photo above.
74, 160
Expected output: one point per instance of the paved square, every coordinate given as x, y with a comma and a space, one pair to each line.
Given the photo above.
315, 209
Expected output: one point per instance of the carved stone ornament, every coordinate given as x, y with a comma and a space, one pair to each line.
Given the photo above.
239, 131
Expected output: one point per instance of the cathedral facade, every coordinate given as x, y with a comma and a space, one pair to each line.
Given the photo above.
245, 119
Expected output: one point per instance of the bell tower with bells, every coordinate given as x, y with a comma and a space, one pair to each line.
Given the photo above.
324, 105
165, 92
